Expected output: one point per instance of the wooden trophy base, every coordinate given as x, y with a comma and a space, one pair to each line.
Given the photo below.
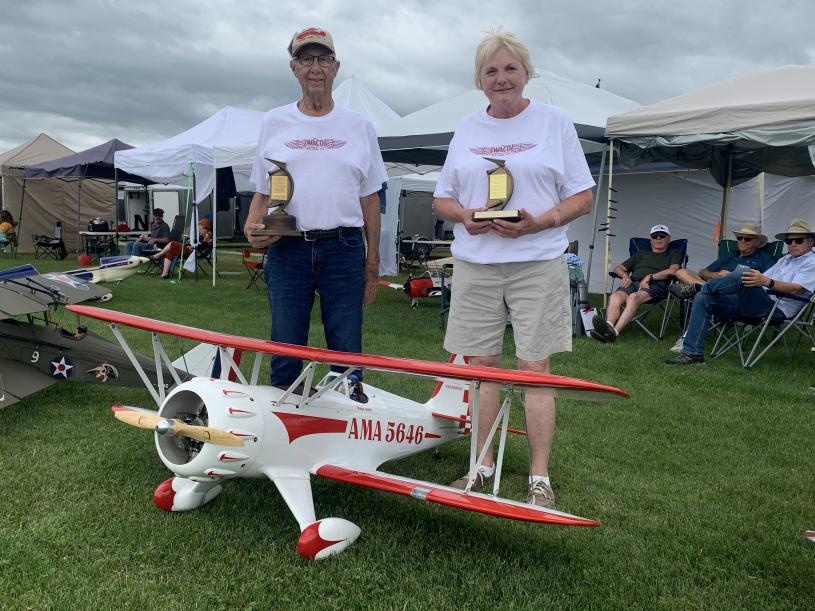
278, 225
513, 216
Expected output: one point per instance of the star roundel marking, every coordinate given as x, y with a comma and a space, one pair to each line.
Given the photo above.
62, 367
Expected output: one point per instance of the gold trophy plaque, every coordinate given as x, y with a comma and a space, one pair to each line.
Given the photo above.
499, 192
281, 188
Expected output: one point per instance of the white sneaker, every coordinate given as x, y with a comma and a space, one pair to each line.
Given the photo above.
677, 347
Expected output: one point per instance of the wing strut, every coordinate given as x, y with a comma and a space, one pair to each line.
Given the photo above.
502, 417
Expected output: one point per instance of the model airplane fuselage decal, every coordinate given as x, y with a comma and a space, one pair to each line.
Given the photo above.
210, 430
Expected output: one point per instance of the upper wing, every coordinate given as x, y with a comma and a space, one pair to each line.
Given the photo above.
444, 495
29, 292
557, 385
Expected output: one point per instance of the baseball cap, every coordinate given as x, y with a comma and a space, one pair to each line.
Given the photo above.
660, 229
311, 36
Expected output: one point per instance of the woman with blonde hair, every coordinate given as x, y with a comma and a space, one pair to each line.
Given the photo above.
505, 268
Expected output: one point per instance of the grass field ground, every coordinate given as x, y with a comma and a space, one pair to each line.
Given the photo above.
703, 482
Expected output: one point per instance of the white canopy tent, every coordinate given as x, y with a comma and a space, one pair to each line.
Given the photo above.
762, 122
169, 161
353, 94
422, 137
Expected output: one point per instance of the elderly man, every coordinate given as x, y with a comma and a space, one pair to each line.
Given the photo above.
333, 157
745, 292
644, 277
749, 241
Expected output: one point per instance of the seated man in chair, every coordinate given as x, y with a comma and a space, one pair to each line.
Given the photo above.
744, 292
158, 237
749, 240
644, 278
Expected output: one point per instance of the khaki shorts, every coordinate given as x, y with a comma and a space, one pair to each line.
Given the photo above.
534, 294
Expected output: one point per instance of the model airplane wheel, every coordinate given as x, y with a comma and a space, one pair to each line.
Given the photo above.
181, 494
326, 537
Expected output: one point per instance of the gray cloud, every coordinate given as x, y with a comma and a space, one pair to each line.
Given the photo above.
85, 71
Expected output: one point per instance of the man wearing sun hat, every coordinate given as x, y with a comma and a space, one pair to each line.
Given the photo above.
745, 293
749, 241
644, 277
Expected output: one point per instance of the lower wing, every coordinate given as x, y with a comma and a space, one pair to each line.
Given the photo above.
18, 380
444, 495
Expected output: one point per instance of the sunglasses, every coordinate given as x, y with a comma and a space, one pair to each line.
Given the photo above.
789, 241
659, 236
744, 238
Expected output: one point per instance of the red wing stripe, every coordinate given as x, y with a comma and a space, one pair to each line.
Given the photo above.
298, 425
473, 501
558, 385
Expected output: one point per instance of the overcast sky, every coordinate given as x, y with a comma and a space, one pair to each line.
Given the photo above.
86, 71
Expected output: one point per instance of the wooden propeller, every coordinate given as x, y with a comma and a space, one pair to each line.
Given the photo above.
175, 427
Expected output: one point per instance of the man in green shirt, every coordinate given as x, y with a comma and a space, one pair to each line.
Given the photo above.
644, 277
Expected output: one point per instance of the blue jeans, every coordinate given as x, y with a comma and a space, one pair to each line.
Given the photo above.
728, 299
335, 269
135, 248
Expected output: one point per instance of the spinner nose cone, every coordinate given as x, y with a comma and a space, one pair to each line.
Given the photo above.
166, 427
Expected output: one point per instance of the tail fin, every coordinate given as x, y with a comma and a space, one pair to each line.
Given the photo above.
451, 397
205, 360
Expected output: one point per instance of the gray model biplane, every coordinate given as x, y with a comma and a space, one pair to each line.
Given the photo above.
35, 352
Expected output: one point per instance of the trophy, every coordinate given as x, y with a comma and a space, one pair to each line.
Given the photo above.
281, 188
499, 190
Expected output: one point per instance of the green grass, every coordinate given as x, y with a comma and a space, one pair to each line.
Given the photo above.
702, 482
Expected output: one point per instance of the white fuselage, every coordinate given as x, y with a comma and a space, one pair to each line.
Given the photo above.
292, 438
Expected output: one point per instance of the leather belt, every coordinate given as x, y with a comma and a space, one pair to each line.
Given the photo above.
327, 234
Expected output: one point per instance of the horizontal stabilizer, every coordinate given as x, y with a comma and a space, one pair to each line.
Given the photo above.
445, 495
467, 422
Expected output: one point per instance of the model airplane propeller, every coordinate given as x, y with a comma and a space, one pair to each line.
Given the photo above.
174, 427
308, 429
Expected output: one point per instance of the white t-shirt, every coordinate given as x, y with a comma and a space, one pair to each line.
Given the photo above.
333, 160
798, 270
541, 149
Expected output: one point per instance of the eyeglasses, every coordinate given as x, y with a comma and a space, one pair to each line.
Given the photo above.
307, 60
789, 241
744, 238
659, 236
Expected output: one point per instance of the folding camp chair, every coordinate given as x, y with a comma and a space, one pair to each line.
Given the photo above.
203, 254
49, 247
753, 337
8, 242
176, 235
253, 266
660, 305
416, 251
730, 334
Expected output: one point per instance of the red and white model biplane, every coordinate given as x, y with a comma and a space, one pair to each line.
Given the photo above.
211, 429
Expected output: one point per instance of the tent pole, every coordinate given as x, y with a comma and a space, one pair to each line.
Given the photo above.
116, 198
594, 216
214, 207
78, 213
609, 197
761, 200
726, 197
20, 217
